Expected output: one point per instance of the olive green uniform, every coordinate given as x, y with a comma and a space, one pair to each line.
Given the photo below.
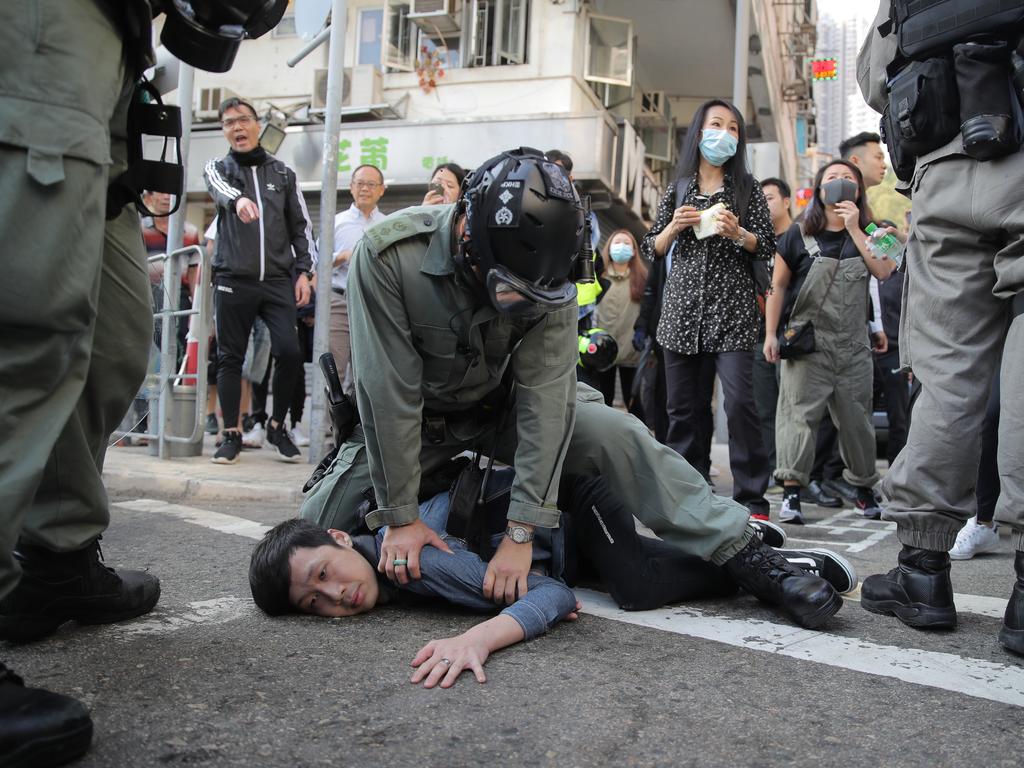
75, 317
429, 352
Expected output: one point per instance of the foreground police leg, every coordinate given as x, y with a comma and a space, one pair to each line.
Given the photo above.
952, 329
659, 488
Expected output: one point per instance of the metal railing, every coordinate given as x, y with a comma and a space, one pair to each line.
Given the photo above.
169, 374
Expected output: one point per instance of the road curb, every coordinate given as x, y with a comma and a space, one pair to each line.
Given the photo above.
199, 490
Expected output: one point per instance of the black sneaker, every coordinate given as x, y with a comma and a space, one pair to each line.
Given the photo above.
833, 568
867, 504
57, 587
763, 572
282, 442
40, 728
770, 533
813, 493
841, 488
1011, 635
918, 591
230, 447
212, 427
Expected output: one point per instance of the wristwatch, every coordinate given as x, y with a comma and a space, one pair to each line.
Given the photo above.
519, 534
741, 237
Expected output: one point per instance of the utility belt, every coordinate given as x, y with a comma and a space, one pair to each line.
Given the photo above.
956, 73
435, 422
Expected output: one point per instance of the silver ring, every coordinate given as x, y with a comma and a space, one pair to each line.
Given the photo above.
446, 661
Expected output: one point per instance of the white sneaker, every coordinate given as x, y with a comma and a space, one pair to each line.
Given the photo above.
299, 437
791, 513
974, 539
254, 437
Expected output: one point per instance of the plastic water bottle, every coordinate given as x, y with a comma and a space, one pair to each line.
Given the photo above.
883, 244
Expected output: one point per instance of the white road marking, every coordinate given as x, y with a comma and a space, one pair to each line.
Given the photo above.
217, 521
220, 610
972, 677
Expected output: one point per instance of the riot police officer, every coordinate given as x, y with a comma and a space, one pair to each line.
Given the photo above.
464, 314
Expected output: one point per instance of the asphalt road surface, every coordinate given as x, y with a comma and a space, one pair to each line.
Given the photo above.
207, 680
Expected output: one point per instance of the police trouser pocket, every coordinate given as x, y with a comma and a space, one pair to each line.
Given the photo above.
333, 501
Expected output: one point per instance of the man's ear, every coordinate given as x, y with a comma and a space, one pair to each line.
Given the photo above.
340, 537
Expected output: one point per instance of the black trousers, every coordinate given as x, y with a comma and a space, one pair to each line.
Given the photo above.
897, 398
690, 383
606, 386
766, 398
828, 465
639, 572
237, 303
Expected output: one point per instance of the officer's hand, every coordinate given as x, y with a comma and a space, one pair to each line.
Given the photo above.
302, 291
404, 542
684, 216
505, 580
639, 340
880, 342
771, 348
247, 210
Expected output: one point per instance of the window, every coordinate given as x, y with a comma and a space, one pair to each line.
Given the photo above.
609, 54
513, 31
371, 30
401, 38
286, 27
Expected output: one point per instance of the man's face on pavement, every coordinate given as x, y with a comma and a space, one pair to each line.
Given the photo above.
871, 160
778, 206
332, 581
241, 128
367, 188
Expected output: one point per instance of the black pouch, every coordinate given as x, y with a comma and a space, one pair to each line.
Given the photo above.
796, 340
923, 112
986, 98
463, 499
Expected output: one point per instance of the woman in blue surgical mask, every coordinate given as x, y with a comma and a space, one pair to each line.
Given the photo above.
715, 215
617, 310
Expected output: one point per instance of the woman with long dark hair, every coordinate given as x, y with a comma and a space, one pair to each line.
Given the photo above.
626, 272
710, 312
829, 289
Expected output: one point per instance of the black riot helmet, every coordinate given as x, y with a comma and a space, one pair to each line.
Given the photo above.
598, 350
207, 33
524, 231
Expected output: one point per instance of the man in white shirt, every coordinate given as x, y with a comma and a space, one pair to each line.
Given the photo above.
367, 189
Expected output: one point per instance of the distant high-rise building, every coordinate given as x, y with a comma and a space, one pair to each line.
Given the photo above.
841, 110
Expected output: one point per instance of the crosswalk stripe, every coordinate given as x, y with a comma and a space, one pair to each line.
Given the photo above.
217, 521
972, 677
219, 610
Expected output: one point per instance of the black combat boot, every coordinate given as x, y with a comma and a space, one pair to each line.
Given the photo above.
40, 728
1012, 634
807, 599
56, 587
918, 591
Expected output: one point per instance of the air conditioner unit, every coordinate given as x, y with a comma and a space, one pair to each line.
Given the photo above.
435, 17
210, 100
362, 87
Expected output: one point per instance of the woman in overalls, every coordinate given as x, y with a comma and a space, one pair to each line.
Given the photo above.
829, 288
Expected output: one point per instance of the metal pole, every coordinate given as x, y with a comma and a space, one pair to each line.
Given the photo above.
175, 238
328, 206
313, 44
741, 59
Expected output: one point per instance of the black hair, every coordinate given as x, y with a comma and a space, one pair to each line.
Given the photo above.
849, 145
454, 169
269, 569
815, 219
369, 165
235, 103
689, 156
560, 157
782, 186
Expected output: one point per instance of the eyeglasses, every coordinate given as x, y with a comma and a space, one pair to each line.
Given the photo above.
366, 184
231, 122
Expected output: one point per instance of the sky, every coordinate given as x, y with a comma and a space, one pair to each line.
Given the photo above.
847, 9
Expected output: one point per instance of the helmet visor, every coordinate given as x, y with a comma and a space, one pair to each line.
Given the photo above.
512, 295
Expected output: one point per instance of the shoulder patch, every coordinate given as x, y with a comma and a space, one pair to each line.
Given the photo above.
402, 226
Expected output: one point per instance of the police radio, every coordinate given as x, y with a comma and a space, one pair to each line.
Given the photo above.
585, 262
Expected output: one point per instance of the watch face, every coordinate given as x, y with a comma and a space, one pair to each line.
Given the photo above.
518, 535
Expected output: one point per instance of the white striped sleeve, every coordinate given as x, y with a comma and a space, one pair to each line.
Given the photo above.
218, 185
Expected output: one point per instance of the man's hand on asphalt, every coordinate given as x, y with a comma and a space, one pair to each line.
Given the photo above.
302, 291
404, 542
247, 210
505, 580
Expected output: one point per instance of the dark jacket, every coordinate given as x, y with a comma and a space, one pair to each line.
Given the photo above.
279, 243
650, 302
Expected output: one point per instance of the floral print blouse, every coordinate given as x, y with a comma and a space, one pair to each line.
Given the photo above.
709, 303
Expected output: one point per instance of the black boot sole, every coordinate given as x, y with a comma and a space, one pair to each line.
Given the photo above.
819, 616
916, 615
55, 750
25, 628
1012, 639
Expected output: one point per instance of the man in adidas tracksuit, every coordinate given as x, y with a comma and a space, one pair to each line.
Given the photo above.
263, 266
